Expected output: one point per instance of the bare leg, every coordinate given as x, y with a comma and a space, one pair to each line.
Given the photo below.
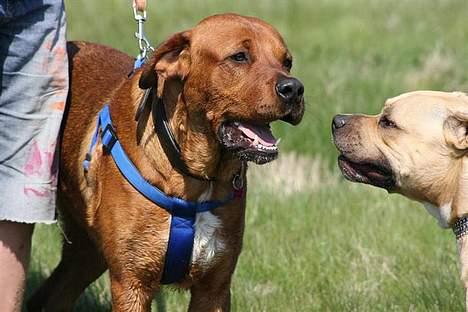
15, 247
81, 264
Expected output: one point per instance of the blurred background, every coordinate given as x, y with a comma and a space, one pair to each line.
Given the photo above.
314, 242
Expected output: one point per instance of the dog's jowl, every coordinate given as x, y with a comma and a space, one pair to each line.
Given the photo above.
169, 151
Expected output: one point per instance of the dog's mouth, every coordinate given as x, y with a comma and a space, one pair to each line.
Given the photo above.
251, 142
366, 172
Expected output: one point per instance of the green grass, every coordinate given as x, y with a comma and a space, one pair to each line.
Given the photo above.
339, 248
324, 244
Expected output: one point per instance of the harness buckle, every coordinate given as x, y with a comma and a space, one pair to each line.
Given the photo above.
108, 138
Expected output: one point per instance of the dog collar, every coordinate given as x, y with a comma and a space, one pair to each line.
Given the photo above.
183, 212
161, 127
460, 228
166, 137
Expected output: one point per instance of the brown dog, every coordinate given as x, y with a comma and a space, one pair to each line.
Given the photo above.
222, 83
417, 147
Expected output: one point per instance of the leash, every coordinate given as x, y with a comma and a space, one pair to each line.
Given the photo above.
144, 46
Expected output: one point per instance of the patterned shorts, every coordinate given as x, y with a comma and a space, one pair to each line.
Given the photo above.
34, 86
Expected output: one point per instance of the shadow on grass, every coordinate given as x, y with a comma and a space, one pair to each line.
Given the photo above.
89, 301
92, 299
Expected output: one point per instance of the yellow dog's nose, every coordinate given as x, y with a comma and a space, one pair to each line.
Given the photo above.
339, 121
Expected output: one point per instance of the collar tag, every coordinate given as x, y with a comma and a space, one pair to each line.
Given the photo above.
238, 183
238, 180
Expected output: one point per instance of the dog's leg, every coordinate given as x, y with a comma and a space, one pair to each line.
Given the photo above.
80, 265
462, 247
211, 295
129, 294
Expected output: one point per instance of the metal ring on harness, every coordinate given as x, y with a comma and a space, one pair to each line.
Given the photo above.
238, 180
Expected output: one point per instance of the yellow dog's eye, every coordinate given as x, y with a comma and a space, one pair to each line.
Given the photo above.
240, 57
384, 122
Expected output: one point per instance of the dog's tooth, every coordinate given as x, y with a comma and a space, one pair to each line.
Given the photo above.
236, 123
255, 142
278, 141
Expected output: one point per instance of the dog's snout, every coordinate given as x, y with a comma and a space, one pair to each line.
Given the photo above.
339, 121
290, 90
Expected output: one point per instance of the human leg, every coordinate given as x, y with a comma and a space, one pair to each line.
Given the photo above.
15, 245
33, 88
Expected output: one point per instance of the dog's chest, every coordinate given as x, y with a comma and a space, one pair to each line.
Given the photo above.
208, 242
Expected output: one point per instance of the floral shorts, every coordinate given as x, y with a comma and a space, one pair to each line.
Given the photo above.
33, 90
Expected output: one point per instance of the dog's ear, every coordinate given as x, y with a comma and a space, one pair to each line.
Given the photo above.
170, 59
456, 131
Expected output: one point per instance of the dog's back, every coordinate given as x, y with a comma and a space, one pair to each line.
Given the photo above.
96, 71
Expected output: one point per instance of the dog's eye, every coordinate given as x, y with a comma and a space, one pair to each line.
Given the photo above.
287, 63
240, 57
384, 122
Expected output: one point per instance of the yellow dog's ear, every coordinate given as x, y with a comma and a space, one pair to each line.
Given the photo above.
456, 131
170, 59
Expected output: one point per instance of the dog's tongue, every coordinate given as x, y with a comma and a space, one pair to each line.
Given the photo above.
264, 135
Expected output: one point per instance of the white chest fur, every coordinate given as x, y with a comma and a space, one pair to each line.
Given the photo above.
207, 241
442, 214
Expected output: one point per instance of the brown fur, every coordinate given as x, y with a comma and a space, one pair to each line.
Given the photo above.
108, 222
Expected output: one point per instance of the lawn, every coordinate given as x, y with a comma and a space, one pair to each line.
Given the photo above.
314, 242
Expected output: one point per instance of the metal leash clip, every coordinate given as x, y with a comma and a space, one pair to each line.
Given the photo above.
143, 43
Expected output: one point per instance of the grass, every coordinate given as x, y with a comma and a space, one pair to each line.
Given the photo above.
341, 247
314, 242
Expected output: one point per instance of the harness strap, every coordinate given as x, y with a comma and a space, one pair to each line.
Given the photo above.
179, 249
174, 205
182, 232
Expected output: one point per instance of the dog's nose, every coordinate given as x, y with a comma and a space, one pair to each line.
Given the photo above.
339, 121
290, 90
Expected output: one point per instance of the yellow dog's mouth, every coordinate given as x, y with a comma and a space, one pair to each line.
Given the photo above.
251, 142
376, 174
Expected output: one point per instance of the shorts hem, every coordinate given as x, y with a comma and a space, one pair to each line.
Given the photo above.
19, 220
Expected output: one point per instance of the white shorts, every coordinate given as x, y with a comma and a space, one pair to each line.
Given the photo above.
34, 86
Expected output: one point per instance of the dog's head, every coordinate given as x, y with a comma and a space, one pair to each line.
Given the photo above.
233, 75
413, 147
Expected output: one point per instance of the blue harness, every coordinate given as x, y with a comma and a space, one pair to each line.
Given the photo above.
182, 232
